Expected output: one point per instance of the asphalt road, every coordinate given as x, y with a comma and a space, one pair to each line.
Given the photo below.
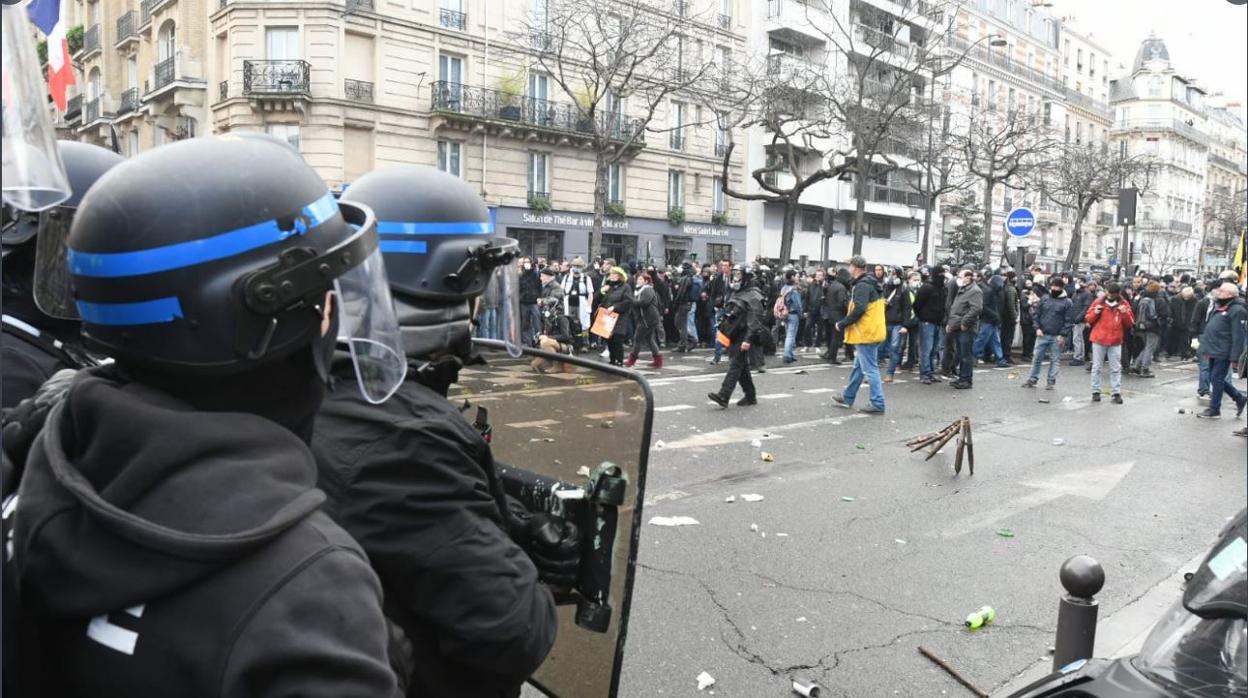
842, 592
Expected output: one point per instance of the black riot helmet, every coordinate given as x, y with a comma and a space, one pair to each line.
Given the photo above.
215, 256
437, 238
742, 276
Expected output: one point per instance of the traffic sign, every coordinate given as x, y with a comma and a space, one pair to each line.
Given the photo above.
1020, 222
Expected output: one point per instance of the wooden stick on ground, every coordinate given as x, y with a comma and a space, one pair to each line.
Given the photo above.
941, 444
970, 444
957, 462
953, 672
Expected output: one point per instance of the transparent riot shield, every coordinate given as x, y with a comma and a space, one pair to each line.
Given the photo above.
571, 438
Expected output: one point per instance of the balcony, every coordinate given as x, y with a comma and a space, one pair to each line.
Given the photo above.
73, 108
986, 55
681, 8
889, 195
509, 114
357, 5
129, 101
539, 199
1105, 218
787, 68
280, 79
90, 42
162, 74
1173, 125
725, 21
882, 41
539, 41
127, 29
452, 19
223, 91
145, 14
721, 149
358, 90
1102, 109
1227, 163
677, 141
1161, 224
92, 111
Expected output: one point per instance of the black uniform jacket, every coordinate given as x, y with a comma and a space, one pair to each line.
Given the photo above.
164, 551
412, 481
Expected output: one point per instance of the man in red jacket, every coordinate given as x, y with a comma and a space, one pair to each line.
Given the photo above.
1109, 317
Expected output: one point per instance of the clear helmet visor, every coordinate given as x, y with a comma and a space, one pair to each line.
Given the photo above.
53, 294
497, 309
369, 329
33, 177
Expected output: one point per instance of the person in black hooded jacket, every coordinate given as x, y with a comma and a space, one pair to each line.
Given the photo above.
167, 534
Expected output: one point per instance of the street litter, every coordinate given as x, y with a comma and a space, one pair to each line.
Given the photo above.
1044, 401
673, 521
1013, 375
659, 444
953, 672
1068, 399
960, 428
705, 681
767, 457
801, 619
583, 470
608, 424
1058, 441
984, 616
809, 690
782, 535
754, 528
547, 440
757, 443
1005, 532
860, 447
900, 541
848, 499
751, 497
801, 372
730, 498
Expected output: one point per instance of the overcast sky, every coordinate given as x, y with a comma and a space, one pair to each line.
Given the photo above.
1207, 39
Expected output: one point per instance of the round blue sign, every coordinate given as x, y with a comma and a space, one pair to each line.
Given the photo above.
1020, 222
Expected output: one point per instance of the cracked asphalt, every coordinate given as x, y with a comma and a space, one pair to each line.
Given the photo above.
843, 592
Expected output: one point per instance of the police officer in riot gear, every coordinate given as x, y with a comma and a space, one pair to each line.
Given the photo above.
416, 484
168, 537
743, 326
40, 335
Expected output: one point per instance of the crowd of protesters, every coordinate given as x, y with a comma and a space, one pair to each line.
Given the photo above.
936, 321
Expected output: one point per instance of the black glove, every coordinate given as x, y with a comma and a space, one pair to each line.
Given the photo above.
550, 542
23, 422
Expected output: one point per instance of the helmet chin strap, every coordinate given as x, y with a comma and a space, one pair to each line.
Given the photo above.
437, 338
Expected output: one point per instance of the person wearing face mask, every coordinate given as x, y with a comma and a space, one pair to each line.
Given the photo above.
929, 308
530, 293
1222, 346
1054, 317
1200, 316
899, 319
1027, 300
963, 326
1111, 318
1182, 305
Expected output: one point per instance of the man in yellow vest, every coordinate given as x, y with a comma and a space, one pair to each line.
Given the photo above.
863, 326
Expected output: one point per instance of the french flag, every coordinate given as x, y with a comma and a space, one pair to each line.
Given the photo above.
46, 14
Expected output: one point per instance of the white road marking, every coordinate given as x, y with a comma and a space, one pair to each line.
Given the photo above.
820, 391
774, 396
702, 379
673, 408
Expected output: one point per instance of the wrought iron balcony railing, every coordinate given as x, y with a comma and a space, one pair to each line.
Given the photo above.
127, 26
92, 110
223, 91
539, 41
677, 141
91, 40
129, 101
145, 11
495, 105
999, 58
162, 74
452, 19
355, 5
73, 108
358, 90
1088, 102
890, 195
725, 21
539, 198
721, 149
681, 8
1180, 127
276, 78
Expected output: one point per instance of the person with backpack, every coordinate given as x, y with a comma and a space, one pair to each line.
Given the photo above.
1148, 324
788, 311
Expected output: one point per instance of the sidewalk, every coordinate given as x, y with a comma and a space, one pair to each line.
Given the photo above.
1123, 633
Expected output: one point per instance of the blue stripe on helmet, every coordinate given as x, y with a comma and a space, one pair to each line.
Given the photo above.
186, 254
404, 247
142, 313
435, 228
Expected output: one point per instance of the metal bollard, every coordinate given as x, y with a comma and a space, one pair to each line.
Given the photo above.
1083, 578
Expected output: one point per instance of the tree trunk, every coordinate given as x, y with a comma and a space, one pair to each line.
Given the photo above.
860, 205
927, 227
989, 186
600, 208
1076, 242
786, 230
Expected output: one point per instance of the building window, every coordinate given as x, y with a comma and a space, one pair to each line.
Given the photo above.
540, 109
281, 43
678, 126
877, 228
450, 158
1155, 86
716, 251
718, 203
675, 190
622, 248
810, 221
286, 132
615, 183
132, 143
539, 174
538, 243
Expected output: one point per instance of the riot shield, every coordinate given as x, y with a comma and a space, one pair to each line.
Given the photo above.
571, 437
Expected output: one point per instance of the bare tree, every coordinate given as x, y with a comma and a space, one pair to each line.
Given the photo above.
876, 96
603, 55
1081, 175
1165, 249
784, 98
1002, 148
942, 171
1226, 215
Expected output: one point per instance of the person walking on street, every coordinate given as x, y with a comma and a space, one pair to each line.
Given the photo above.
718, 291
989, 336
687, 290
963, 326
1200, 317
929, 308
1222, 344
864, 329
617, 298
899, 320
1054, 317
1081, 301
1110, 318
788, 309
1148, 324
649, 321
741, 323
